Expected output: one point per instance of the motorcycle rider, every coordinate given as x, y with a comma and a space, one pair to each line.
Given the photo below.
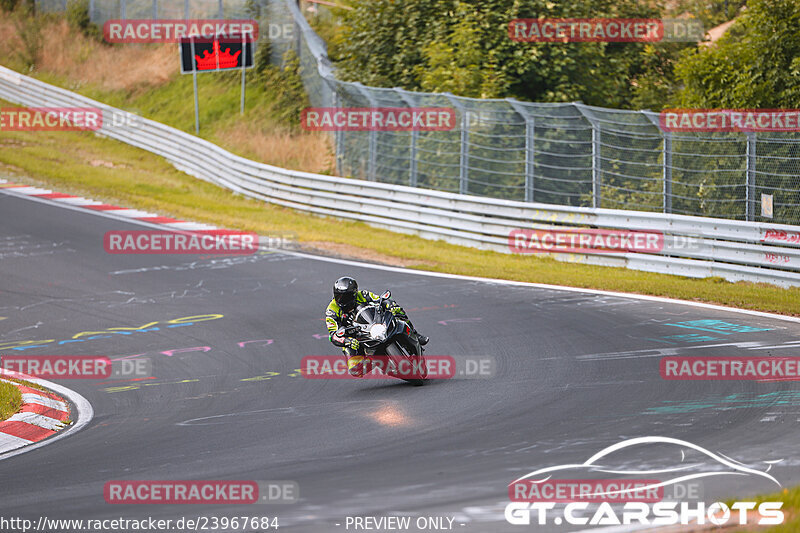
346, 297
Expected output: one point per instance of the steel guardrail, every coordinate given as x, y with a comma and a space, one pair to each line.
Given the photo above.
734, 250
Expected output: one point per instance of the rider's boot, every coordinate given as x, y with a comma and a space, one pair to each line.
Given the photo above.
423, 340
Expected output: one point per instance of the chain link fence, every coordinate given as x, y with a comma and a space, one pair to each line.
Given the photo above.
565, 154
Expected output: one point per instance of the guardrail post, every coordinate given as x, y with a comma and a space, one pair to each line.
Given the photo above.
373, 136
91, 10
123, 9
155, 9
750, 189
186, 9
221, 12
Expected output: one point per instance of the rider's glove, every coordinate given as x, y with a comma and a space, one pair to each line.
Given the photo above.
397, 310
351, 342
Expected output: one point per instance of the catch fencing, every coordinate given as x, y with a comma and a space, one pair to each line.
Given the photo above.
735, 250
566, 154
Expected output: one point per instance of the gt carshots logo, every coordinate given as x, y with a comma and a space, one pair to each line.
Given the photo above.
535, 496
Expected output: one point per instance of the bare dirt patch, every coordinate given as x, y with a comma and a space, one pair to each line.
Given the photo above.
348, 251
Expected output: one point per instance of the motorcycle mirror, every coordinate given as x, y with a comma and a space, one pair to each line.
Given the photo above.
387, 294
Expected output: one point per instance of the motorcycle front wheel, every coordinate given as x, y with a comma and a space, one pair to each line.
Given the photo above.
398, 352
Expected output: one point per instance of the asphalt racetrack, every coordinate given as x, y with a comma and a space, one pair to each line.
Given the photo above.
575, 372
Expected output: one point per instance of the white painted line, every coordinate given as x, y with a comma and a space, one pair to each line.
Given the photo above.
633, 296
47, 402
10, 442
133, 213
38, 420
32, 190
191, 226
73, 201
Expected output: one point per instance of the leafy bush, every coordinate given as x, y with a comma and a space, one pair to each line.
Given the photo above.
78, 19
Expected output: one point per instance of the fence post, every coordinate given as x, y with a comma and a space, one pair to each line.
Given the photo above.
221, 11
530, 149
463, 160
373, 135
186, 9
155, 9
412, 149
123, 9
666, 162
338, 136
666, 172
597, 196
597, 183
750, 189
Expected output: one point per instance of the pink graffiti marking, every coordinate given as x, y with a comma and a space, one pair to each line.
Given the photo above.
266, 342
170, 353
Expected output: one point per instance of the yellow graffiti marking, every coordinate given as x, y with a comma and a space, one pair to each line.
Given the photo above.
133, 329
268, 375
189, 319
198, 318
14, 344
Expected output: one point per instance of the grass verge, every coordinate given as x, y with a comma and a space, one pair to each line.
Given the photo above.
103, 169
10, 400
791, 506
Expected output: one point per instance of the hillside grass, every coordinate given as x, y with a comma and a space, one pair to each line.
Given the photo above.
146, 80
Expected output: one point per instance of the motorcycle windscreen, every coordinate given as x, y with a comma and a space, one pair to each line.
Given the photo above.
366, 315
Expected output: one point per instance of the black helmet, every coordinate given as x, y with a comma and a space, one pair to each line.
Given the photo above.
344, 292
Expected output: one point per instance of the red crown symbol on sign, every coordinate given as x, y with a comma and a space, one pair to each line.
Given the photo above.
209, 61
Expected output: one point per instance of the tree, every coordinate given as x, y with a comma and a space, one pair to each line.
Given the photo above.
756, 64
464, 47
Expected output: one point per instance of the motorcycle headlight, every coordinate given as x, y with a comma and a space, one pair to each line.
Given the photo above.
377, 332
